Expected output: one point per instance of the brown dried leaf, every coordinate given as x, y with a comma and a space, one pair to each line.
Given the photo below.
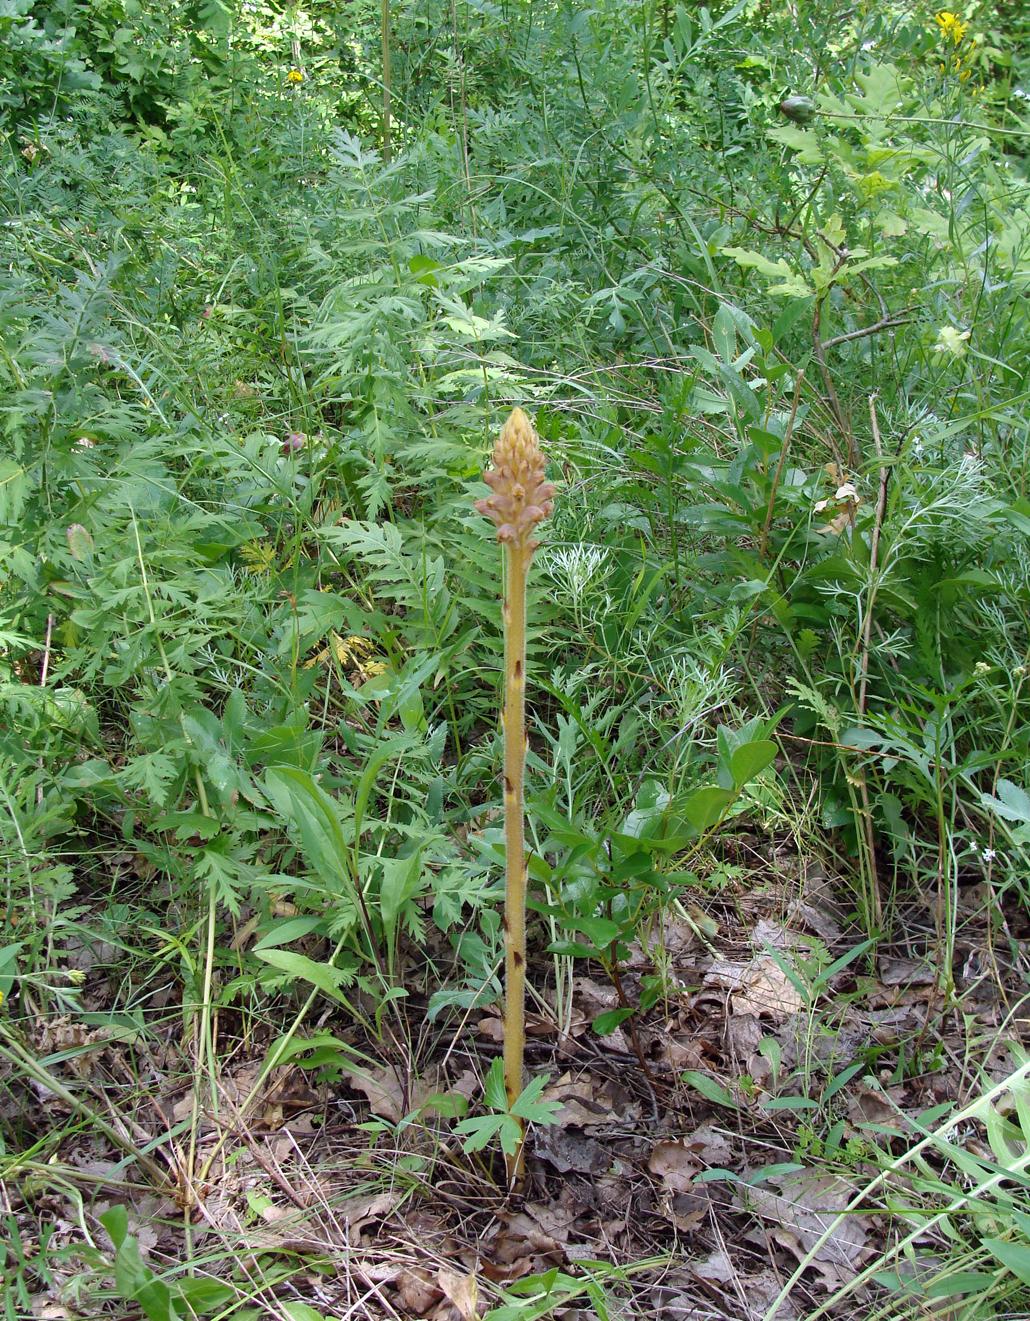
906, 972
570, 1151
800, 1213
759, 987
868, 1105
417, 1292
717, 1268
710, 1146
462, 1290
590, 1101
519, 1248
674, 1164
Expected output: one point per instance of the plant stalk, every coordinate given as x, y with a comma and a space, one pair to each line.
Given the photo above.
387, 81
514, 725
521, 498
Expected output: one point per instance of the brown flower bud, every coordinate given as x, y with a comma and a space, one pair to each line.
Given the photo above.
520, 497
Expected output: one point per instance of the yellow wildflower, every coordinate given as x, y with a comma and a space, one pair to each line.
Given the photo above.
295, 77
951, 25
951, 340
346, 651
258, 557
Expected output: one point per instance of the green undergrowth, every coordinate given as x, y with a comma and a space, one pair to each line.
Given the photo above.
250, 370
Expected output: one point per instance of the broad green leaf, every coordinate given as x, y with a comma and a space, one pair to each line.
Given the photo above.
706, 806
530, 1107
710, 1089
788, 282
298, 966
803, 141
1015, 1256
750, 759
1011, 804
292, 928
605, 1024
204, 1295
402, 881
134, 1280
493, 1088
295, 1310
307, 809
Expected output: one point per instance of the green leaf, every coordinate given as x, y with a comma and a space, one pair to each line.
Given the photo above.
493, 1088
803, 141
528, 1106
707, 806
1011, 804
402, 881
298, 966
573, 949
314, 1051
204, 1295
478, 1131
710, 1089
133, 1280
601, 931
605, 1024
789, 283
116, 1222
282, 933
1014, 1256
314, 816
298, 1311
750, 759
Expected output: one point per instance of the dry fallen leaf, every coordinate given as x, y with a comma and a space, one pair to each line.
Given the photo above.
590, 1101
674, 1165
462, 1290
801, 1212
520, 1247
758, 987
717, 1268
570, 1151
416, 1291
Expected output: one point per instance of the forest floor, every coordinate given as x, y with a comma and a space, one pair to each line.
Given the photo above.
682, 1178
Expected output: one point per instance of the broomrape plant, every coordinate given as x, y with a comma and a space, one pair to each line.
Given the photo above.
520, 499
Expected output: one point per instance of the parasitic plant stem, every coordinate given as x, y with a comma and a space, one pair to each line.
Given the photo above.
520, 499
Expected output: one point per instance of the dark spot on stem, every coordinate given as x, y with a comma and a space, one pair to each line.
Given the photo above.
518, 669
509, 788
517, 959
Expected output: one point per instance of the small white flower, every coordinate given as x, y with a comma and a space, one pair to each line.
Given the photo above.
988, 854
918, 447
970, 461
981, 667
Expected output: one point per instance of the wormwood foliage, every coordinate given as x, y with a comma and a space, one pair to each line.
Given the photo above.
760, 279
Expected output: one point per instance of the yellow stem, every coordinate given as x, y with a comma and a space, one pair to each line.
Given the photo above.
514, 721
